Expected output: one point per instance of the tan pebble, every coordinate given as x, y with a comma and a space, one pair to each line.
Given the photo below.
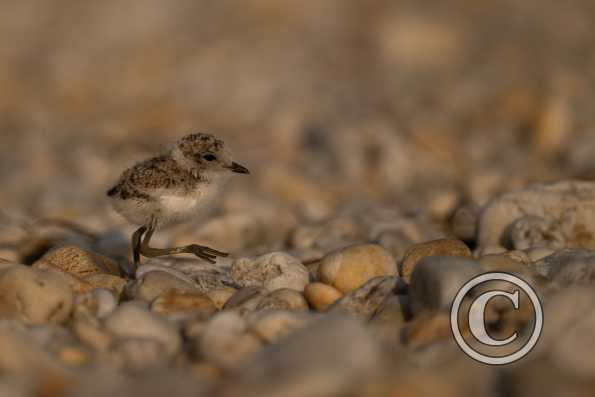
80, 262
428, 328
77, 284
91, 335
73, 356
350, 268
108, 281
283, 299
155, 283
175, 301
417, 252
536, 254
320, 296
221, 295
34, 296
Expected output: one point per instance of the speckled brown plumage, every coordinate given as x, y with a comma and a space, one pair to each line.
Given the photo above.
160, 172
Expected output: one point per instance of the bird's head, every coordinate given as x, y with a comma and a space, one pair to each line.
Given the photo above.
205, 155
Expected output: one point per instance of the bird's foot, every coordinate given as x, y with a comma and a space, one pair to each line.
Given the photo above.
206, 253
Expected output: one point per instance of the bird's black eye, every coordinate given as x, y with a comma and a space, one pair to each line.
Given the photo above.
210, 157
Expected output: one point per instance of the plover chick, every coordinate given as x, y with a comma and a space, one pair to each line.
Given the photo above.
178, 186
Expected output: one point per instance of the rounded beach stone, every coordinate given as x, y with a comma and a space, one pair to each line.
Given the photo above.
283, 299
320, 296
34, 296
271, 271
156, 283
174, 301
272, 325
363, 302
226, 341
132, 321
445, 247
350, 268
107, 281
437, 279
220, 295
79, 262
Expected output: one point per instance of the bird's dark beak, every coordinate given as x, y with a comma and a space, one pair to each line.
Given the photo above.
239, 169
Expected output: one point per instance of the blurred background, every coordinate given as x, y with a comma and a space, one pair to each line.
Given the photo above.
412, 105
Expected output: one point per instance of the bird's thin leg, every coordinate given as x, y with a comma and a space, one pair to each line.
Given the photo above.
136, 243
206, 253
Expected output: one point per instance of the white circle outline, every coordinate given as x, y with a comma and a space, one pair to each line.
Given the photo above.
496, 276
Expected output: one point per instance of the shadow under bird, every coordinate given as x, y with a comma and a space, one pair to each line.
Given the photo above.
175, 187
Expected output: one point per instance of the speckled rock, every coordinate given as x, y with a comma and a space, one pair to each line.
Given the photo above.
436, 280
271, 271
80, 262
132, 321
363, 302
226, 341
351, 267
560, 214
320, 296
174, 302
283, 299
568, 267
34, 296
417, 252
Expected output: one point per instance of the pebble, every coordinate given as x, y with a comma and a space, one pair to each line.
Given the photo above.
463, 221
108, 281
77, 284
22, 355
92, 335
351, 267
132, 321
390, 319
220, 295
175, 302
34, 296
320, 296
226, 341
80, 262
272, 271
283, 299
363, 302
444, 247
274, 325
140, 354
568, 267
554, 215
155, 283
436, 280
330, 357
245, 299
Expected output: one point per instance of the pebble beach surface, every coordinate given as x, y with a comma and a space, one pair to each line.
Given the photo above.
397, 149
363, 319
